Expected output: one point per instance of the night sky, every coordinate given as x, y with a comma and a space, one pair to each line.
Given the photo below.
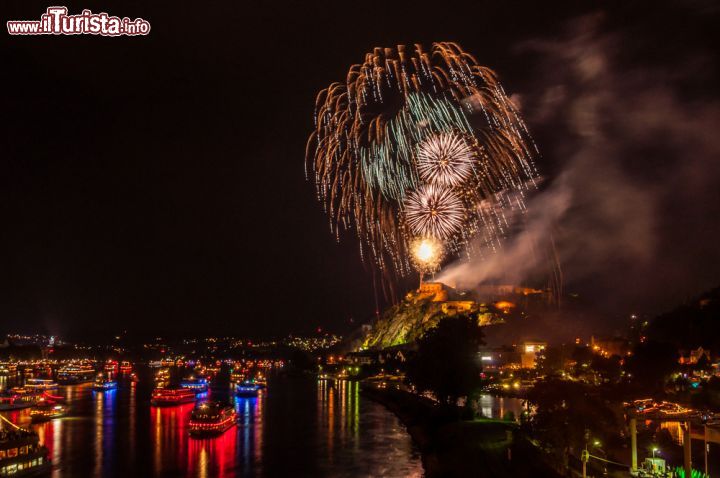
156, 184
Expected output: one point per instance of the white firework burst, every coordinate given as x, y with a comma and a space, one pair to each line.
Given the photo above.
427, 254
434, 211
445, 159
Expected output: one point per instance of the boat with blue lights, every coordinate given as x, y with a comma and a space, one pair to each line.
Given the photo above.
247, 388
198, 385
103, 384
211, 419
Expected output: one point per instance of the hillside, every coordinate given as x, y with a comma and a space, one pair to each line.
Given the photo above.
419, 311
693, 324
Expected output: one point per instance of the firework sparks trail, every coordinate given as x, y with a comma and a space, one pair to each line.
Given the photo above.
412, 145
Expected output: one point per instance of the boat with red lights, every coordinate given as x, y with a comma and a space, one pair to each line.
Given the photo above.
18, 398
111, 366
211, 418
171, 396
125, 366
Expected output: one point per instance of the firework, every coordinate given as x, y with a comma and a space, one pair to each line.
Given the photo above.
445, 159
427, 254
434, 211
410, 144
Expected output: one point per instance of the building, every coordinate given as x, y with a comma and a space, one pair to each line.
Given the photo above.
530, 352
453, 307
436, 290
499, 358
692, 357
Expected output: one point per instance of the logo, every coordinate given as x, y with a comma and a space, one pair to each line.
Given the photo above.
56, 21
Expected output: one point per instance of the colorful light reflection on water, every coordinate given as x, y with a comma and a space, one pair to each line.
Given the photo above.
296, 427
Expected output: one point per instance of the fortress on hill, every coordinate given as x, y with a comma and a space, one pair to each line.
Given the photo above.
437, 292
423, 308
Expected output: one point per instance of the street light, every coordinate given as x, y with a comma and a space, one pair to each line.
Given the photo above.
654, 450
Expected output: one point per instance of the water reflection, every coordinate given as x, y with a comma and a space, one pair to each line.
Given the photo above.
675, 429
296, 427
250, 412
499, 407
171, 436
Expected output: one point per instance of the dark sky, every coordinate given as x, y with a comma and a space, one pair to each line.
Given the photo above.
156, 183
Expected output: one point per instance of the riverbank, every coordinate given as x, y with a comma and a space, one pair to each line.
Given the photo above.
461, 448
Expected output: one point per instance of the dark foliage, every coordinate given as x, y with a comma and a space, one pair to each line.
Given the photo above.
446, 361
650, 365
694, 324
568, 416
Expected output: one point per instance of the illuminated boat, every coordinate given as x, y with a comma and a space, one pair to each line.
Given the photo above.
76, 373
8, 369
237, 375
198, 385
211, 418
211, 370
43, 413
247, 389
21, 453
103, 384
171, 396
41, 384
260, 380
162, 378
125, 367
111, 366
18, 398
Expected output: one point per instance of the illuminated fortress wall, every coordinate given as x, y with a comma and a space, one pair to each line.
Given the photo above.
435, 289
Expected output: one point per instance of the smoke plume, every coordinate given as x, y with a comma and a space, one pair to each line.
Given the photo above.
631, 146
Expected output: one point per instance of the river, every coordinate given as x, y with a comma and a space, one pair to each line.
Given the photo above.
296, 427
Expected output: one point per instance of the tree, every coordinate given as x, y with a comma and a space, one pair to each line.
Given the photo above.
607, 367
567, 416
703, 364
301, 360
650, 365
552, 361
446, 362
